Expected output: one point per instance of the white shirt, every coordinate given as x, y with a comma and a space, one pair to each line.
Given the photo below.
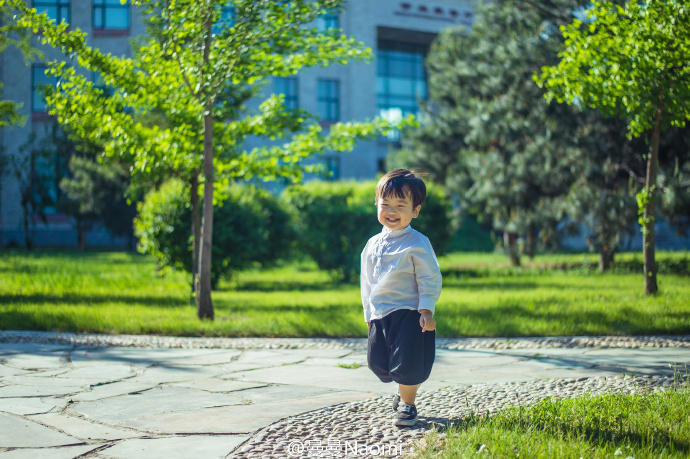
399, 271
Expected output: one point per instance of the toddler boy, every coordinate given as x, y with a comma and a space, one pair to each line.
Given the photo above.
401, 282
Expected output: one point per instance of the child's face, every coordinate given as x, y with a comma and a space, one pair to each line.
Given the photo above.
396, 213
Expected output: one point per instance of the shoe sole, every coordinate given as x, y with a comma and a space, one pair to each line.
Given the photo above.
405, 422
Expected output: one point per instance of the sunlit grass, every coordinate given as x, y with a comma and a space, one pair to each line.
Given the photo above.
482, 296
640, 426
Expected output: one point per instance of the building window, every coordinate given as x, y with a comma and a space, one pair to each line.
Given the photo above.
328, 21
55, 9
381, 165
400, 80
287, 87
98, 83
329, 100
47, 169
110, 15
332, 167
39, 81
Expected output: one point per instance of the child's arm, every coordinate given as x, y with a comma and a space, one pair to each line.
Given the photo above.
364, 280
428, 277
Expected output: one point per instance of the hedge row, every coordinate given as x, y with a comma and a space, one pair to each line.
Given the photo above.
329, 221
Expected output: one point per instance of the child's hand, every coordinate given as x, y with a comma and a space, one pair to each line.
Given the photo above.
426, 321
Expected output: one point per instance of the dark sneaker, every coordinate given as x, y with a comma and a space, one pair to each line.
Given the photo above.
396, 402
406, 415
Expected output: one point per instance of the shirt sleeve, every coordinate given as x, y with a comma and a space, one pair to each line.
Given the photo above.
428, 276
364, 279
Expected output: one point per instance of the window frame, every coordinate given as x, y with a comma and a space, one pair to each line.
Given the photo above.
328, 21
332, 165
291, 101
104, 28
329, 100
34, 89
59, 5
386, 99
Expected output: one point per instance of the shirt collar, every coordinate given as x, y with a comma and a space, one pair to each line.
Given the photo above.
395, 233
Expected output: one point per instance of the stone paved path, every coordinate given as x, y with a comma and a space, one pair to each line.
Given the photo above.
65, 395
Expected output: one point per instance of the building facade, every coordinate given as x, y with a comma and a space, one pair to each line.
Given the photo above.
398, 32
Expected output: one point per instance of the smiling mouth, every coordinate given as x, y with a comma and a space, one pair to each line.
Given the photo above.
391, 220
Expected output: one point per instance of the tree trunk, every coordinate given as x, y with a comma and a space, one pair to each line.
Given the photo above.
196, 227
509, 242
531, 246
81, 236
606, 255
204, 306
27, 235
650, 285
607, 248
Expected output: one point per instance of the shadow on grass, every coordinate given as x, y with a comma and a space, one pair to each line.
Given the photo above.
289, 286
32, 263
276, 321
516, 319
464, 272
493, 285
73, 299
236, 316
518, 284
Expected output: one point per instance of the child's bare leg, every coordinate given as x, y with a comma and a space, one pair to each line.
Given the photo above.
408, 393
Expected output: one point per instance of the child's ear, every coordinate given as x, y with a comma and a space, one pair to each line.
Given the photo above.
415, 211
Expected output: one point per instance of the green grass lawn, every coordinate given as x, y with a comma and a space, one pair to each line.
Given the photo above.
606, 426
482, 296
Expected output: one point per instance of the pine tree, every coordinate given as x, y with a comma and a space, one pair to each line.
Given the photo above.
487, 134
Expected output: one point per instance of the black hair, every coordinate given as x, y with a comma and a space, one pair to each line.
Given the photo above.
400, 182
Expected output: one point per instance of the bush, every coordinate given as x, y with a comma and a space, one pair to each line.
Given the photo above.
335, 220
163, 225
249, 226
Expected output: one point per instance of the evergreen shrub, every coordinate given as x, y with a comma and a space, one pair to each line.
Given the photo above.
249, 226
334, 220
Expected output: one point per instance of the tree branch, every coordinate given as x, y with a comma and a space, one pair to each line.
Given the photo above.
176, 54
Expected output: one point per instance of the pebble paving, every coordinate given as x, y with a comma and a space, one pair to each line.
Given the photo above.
359, 344
365, 429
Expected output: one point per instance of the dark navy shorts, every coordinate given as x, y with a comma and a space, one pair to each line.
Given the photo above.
398, 350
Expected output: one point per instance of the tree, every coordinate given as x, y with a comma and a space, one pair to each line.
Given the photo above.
674, 159
95, 192
630, 61
197, 53
12, 35
251, 227
487, 133
612, 169
603, 194
30, 167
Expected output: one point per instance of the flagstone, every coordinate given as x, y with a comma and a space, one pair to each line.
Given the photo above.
84, 429
125, 387
36, 361
21, 432
243, 418
61, 452
25, 386
218, 385
125, 409
99, 373
31, 405
10, 371
183, 447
